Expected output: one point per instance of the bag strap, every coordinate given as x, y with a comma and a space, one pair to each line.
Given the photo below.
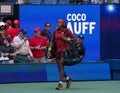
65, 32
54, 36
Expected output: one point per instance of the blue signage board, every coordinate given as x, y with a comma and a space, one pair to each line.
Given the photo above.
80, 19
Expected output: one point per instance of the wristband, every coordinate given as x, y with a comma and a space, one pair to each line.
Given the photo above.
68, 39
49, 49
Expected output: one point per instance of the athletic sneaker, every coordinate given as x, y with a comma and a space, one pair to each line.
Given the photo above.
59, 87
68, 83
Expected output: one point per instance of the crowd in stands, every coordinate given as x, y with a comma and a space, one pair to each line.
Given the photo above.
18, 48
60, 1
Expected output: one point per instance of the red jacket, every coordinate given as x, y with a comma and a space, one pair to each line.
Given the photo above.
11, 32
36, 41
60, 43
17, 30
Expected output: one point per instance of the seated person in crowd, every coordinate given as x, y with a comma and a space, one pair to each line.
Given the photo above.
8, 50
2, 34
22, 49
80, 46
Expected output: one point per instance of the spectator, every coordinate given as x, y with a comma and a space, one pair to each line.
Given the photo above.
8, 50
11, 32
38, 44
21, 45
80, 46
46, 31
71, 1
23, 2
2, 29
16, 24
47, 34
2, 34
80, 2
1, 1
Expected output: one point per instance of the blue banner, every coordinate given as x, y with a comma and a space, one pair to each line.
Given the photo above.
81, 19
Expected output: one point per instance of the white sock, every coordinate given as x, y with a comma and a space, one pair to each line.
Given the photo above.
60, 82
67, 77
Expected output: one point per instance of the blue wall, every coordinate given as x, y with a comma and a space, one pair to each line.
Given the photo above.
32, 16
110, 32
49, 72
103, 43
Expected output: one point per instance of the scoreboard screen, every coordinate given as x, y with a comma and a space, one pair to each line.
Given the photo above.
6, 9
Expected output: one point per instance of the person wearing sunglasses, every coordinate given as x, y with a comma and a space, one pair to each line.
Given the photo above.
46, 31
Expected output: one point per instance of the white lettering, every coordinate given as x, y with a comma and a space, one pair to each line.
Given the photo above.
77, 27
76, 17
92, 26
77, 23
83, 17
73, 17
69, 26
84, 27
69, 17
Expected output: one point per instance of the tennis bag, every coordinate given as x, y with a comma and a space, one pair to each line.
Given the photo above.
72, 55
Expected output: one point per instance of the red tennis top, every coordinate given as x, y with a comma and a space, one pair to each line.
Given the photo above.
61, 44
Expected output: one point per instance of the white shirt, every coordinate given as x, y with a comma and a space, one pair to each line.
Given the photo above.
21, 46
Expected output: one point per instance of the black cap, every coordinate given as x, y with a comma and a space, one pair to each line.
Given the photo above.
23, 31
81, 37
7, 39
